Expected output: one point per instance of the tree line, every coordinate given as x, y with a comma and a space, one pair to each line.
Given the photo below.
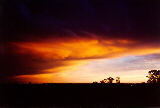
153, 77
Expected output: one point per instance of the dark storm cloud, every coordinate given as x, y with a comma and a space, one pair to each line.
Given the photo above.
120, 18
28, 20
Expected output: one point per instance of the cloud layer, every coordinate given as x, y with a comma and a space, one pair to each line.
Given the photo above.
39, 36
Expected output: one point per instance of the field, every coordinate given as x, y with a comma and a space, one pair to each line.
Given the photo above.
79, 95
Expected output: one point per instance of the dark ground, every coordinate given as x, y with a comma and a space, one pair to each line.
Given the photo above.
80, 95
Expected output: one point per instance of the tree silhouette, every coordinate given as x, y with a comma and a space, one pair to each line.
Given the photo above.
110, 80
153, 76
103, 81
117, 79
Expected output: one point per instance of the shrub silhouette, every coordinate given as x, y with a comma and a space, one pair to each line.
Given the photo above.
117, 79
153, 76
110, 80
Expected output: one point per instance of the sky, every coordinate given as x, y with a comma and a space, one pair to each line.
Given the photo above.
78, 41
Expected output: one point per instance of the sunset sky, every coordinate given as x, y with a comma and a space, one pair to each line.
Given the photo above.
79, 41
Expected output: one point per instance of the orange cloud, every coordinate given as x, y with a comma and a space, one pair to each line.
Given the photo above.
55, 74
73, 53
84, 48
72, 49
